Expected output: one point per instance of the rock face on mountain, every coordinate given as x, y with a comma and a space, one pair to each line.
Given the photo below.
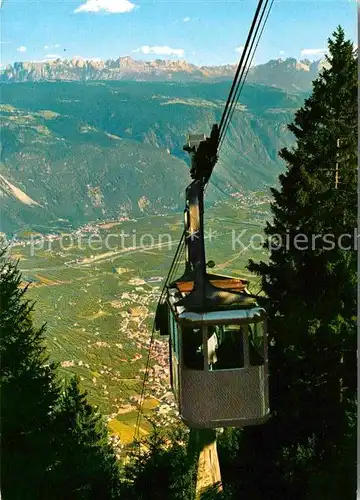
288, 74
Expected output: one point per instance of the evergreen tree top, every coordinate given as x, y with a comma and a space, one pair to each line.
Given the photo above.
317, 194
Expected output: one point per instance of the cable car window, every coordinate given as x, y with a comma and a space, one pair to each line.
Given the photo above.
192, 347
212, 345
229, 347
256, 344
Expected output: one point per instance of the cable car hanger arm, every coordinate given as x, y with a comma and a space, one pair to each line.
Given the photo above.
203, 154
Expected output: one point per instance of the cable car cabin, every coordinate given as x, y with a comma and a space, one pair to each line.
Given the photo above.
218, 358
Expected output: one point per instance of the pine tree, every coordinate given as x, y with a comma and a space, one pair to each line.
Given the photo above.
28, 393
86, 466
311, 288
53, 444
162, 469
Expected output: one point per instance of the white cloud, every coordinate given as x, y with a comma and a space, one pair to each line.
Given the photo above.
281, 52
53, 56
163, 50
186, 19
56, 46
21, 49
112, 6
239, 49
313, 52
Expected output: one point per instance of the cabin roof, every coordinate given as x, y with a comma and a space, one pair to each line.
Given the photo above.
223, 283
219, 293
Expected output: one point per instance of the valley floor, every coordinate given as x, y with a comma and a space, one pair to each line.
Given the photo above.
98, 304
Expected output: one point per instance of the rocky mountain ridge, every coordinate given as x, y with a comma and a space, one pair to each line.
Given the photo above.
288, 74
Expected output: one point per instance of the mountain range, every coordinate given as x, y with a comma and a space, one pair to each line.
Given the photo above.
73, 152
288, 74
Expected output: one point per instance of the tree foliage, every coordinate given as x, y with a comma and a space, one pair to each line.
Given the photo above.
53, 444
28, 392
85, 464
310, 280
160, 467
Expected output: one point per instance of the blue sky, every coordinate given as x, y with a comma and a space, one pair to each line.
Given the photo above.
202, 32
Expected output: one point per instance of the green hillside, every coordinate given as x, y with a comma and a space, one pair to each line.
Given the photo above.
98, 150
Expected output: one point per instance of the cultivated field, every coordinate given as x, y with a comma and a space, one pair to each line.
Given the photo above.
98, 302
